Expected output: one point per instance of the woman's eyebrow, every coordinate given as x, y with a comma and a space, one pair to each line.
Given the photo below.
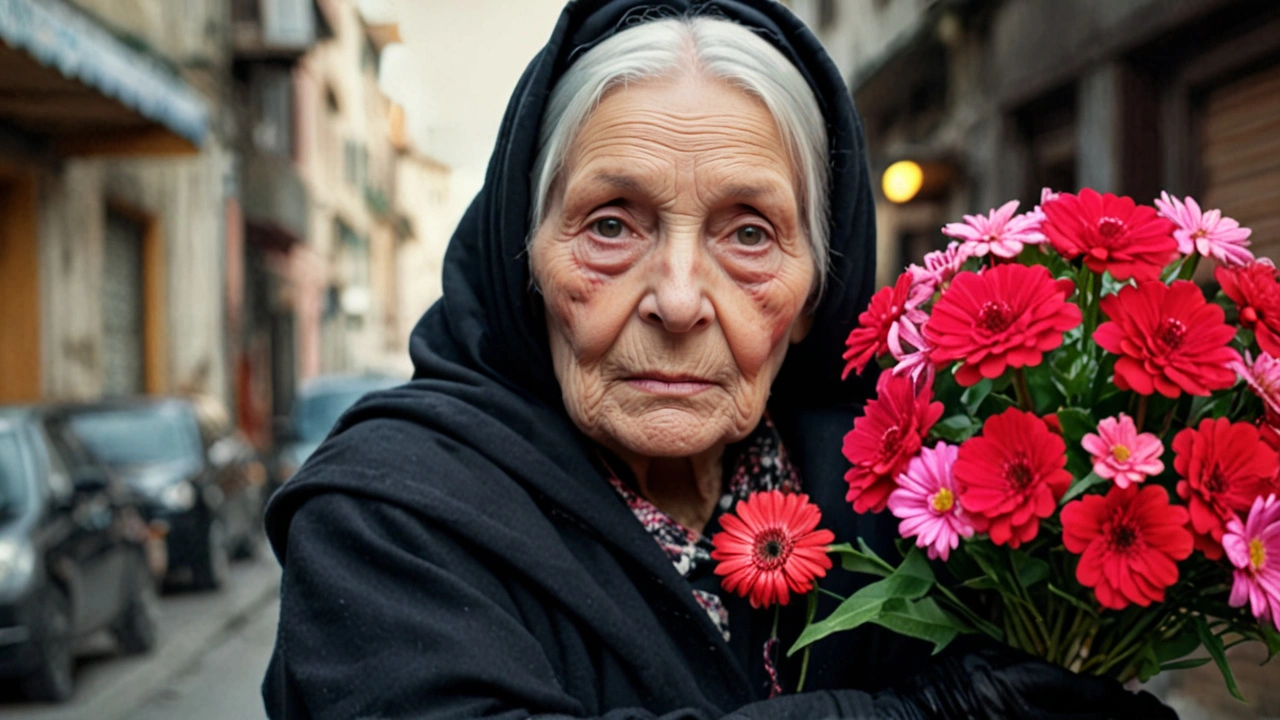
618, 182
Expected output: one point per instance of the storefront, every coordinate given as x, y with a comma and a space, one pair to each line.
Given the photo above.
82, 267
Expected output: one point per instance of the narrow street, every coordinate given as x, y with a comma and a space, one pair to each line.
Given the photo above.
208, 663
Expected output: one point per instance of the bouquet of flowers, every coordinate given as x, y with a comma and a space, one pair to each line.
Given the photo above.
1081, 447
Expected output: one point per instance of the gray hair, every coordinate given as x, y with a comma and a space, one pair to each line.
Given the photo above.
723, 50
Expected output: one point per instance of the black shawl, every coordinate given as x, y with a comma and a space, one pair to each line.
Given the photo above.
452, 549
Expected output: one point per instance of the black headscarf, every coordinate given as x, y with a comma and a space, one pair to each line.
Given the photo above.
478, 449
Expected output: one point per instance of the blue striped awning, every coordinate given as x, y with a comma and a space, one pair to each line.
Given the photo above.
62, 38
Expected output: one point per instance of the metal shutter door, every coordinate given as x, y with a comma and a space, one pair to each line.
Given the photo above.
122, 349
1241, 156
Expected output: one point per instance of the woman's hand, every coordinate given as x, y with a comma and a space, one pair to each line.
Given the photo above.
1003, 683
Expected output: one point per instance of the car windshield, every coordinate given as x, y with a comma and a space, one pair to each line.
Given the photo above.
13, 483
161, 434
315, 413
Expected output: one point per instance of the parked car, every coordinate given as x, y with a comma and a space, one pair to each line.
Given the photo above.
316, 408
72, 556
194, 473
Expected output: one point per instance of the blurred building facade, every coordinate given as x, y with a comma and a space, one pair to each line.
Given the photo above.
201, 197
999, 98
108, 206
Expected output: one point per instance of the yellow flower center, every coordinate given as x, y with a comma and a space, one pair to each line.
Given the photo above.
1257, 553
1121, 453
943, 501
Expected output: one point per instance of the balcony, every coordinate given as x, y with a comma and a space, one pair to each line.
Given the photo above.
275, 200
278, 30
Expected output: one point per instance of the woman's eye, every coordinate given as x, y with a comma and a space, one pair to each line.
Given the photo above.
750, 235
609, 227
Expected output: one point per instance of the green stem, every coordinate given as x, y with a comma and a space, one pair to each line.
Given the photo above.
804, 662
1023, 390
1142, 413
828, 593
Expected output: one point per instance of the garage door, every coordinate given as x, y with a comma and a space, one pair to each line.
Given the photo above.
122, 309
1241, 155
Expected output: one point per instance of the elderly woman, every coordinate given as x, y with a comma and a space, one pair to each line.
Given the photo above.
642, 323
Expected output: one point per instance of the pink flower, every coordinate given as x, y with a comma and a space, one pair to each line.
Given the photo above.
1263, 378
1046, 196
1207, 233
1000, 232
939, 267
1253, 547
927, 502
1121, 454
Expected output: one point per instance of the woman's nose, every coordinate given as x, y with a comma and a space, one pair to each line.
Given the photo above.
677, 298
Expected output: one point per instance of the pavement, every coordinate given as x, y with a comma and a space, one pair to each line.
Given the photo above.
208, 662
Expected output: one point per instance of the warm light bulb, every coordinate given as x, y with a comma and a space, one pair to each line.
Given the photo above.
901, 181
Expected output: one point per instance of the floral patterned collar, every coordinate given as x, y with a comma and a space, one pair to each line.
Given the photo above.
758, 463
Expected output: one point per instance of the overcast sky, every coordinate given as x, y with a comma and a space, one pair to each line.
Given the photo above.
455, 70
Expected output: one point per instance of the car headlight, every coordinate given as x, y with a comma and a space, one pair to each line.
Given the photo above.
179, 496
17, 561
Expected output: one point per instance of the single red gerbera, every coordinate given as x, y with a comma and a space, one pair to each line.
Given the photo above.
1112, 233
885, 438
1169, 340
770, 547
1011, 475
1007, 316
1256, 293
1224, 466
1129, 543
877, 323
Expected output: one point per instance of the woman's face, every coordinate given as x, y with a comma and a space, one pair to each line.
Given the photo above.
674, 267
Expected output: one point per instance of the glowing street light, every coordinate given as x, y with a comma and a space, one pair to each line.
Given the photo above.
902, 181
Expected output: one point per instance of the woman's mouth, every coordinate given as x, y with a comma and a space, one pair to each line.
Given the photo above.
669, 385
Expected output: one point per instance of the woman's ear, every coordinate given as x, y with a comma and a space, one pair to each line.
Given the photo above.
801, 329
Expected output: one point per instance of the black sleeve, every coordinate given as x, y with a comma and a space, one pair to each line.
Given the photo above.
376, 623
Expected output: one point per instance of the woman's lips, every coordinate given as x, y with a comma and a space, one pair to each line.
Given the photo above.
669, 386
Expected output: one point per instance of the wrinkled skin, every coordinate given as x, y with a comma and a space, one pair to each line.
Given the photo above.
676, 273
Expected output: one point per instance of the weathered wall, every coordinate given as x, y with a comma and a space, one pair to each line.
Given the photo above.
186, 197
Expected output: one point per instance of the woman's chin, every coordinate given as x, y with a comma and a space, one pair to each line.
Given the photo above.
670, 432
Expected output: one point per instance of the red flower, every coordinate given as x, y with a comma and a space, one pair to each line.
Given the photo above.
871, 338
1254, 290
770, 547
1112, 233
1169, 340
1224, 466
1129, 541
1008, 316
1011, 476
885, 438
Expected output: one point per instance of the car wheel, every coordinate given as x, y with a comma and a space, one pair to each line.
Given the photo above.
51, 681
135, 631
212, 570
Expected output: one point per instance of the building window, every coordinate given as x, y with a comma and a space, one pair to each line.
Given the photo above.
1048, 128
355, 157
123, 350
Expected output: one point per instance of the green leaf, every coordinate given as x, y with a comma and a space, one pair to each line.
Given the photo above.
851, 613
957, 428
921, 619
855, 561
973, 397
1029, 570
1079, 486
1185, 664
1271, 637
909, 582
1076, 422
1177, 647
1213, 644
